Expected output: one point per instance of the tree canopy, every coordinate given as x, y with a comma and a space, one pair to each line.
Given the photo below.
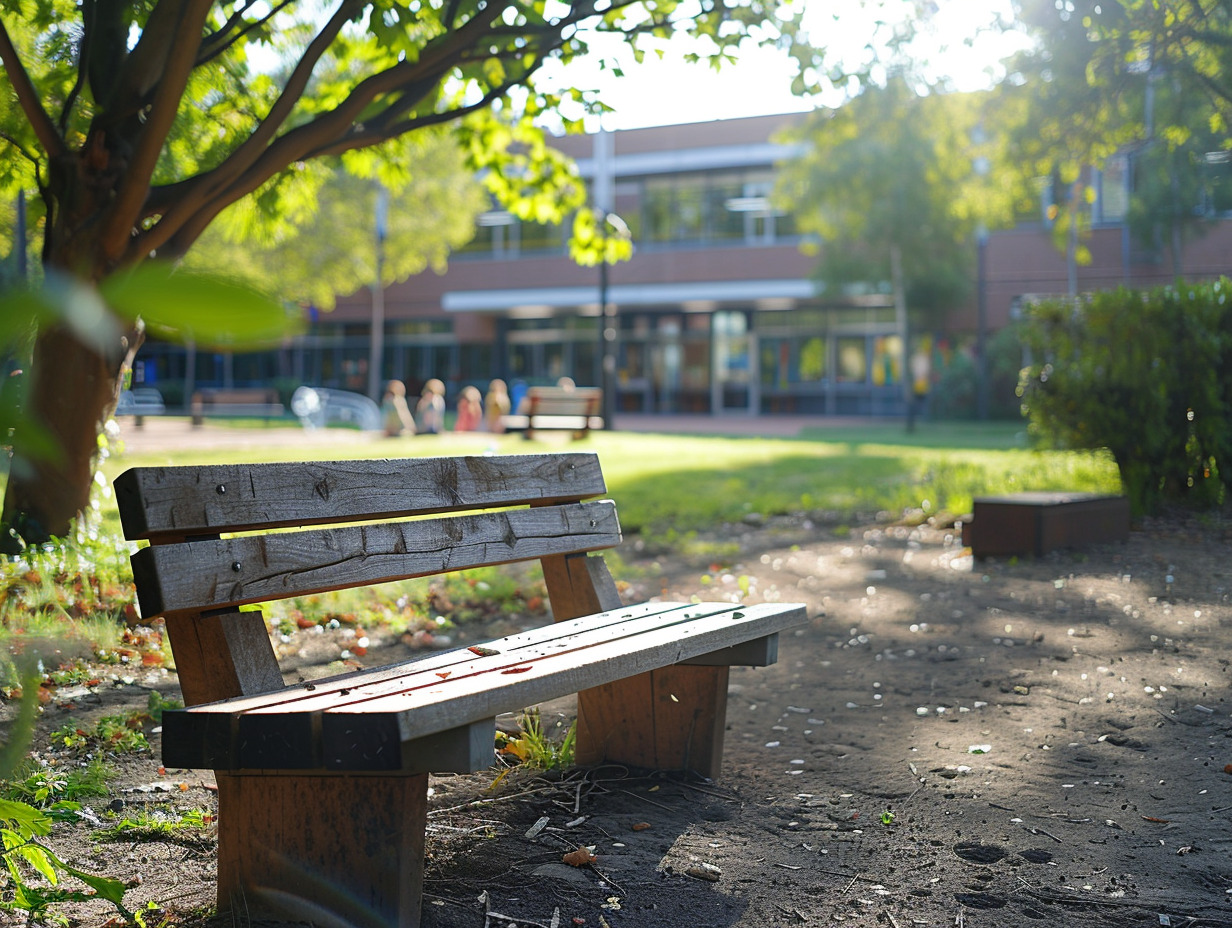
140, 123
898, 169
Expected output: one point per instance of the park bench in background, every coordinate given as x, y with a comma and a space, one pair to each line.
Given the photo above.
322, 787
140, 402
557, 409
246, 403
1038, 522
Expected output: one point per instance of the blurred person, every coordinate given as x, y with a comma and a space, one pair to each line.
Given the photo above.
470, 410
396, 416
497, 405
431, 407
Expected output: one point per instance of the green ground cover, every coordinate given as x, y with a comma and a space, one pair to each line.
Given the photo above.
668, 482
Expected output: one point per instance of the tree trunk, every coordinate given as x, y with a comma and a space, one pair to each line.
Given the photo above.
71, 391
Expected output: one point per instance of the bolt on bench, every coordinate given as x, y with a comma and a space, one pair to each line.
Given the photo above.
322, 787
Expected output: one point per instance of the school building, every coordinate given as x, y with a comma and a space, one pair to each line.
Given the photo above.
716, 312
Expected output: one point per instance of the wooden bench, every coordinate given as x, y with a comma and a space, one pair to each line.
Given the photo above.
250, 403
1035, 523
322, 786
557, 409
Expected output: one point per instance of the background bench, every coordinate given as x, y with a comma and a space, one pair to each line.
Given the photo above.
309, 774
557, 409
254, 403
140, 402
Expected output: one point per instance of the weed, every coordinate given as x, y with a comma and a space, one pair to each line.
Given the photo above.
121, 734
156, 824
535, 748
44, 785
157, 704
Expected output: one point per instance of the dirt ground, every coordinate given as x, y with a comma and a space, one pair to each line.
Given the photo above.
947, 742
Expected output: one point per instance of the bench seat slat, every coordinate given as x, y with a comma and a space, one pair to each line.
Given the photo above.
251, 569
181, 502
367, 730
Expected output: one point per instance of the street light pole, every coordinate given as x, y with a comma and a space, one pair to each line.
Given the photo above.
376, 347
608, 323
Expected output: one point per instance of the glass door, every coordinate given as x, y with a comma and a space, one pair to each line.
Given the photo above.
734, 352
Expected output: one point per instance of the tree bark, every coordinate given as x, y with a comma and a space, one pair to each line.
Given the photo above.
72, 390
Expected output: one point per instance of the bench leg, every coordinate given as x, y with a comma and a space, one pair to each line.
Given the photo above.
338, 852
667, 719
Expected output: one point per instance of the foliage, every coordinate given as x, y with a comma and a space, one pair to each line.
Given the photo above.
326, 244
1147, 375
139, 125
155, 824
34, 872
534, 747
895, 168
955, 395
120, 734
1137, 79
44, 785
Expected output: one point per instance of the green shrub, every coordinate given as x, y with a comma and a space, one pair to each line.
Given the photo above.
1145, 374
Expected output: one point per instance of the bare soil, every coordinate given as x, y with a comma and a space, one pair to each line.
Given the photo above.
1000, 743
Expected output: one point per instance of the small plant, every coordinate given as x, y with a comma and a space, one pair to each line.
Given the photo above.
26, 859
156, 824
534, 748
119, 733
158, 704
45, 786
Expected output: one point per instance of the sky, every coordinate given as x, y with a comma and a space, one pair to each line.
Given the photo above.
957, 43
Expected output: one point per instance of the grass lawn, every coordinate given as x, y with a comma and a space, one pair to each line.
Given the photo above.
665, 483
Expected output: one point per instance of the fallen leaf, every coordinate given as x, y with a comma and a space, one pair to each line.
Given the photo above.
641, 826
580, 858
1161, 821
482, 651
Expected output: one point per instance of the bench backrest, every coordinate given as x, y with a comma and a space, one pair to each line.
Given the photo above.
190, 568
211, 396
561, 401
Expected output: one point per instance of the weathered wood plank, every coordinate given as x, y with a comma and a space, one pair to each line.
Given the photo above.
481, 688
182, 501
758, 652
205, 739
323, 850
251, 569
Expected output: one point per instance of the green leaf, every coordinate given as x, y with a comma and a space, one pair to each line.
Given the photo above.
106, 887
204, 308
24, 819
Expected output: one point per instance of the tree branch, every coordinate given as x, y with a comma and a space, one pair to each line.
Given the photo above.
179, 57
205, 186
28, 98
243, 173
218, 43
22, 150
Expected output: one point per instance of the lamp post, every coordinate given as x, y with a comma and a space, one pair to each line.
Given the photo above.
376, 347
608, 323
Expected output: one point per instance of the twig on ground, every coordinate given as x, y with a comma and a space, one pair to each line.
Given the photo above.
863, 879
644, 799
718, 794
1040, 831
890, 918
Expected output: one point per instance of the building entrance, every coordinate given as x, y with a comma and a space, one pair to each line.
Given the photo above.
734, 360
